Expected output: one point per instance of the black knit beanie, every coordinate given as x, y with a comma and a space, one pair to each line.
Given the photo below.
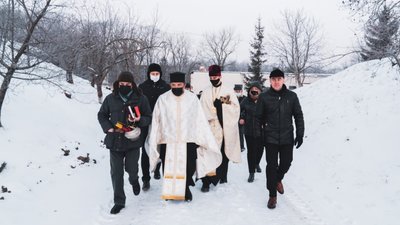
126, 76
276, 73
154, 67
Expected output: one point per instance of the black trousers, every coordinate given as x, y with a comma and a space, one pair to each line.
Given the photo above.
254, 152
241, 135
144, 161
145, 165
119, 160
191, 157
222, 170
277, 170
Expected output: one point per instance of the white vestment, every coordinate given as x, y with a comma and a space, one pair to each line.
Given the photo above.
230, 118
177, 121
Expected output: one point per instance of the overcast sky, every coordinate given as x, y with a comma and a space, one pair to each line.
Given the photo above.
195, 17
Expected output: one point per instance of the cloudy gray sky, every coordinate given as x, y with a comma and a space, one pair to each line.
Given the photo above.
195, 17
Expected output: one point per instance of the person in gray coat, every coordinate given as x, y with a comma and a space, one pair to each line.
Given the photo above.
121, 116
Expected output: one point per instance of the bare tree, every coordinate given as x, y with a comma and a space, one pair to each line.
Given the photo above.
13, 50
107, 43
219, 46
180, 57
296, 43
151, 40
63, 46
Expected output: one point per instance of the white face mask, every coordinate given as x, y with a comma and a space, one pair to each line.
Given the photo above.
154, 78
238, 94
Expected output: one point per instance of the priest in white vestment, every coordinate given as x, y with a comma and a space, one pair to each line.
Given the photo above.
222, 110
181, 137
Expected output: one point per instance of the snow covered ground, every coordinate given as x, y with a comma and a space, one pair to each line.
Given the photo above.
346, 172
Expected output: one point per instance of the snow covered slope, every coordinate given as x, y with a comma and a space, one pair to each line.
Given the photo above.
348, 167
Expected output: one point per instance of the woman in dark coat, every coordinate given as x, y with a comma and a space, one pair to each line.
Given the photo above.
252, 128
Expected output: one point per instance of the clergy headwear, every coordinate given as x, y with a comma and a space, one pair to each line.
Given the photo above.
214, 70
237, 87
177, 77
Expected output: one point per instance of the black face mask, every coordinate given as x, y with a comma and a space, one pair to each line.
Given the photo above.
177, 91
124, 90
215, 82
254, 93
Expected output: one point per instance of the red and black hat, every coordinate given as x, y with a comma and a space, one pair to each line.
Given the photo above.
214, 70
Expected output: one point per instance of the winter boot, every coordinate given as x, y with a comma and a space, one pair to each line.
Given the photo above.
272, 203
279, 187
146, 185
157, 175
223, 180
205, 188
251, 178
258, 169
116, 208
136, 188
188, 195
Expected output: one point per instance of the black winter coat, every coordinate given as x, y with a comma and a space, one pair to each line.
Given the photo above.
252, 125
154, 90
114, 110
276, 110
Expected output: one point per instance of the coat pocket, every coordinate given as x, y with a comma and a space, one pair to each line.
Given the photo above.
109, 140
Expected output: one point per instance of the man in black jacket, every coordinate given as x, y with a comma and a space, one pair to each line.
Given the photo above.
152, 88
122, 110
276, 108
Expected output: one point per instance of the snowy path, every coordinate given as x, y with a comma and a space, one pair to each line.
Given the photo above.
236, 202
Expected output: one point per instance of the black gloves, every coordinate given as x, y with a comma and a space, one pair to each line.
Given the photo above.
298, 141
217, 103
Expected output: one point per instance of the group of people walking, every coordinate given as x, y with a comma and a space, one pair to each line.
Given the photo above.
185, 135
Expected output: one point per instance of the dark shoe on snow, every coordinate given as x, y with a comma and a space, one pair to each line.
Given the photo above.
146, 185
223, 180
258, 169
251, 178
136, 188
279, 187
205, 188
272, 203
157, 175
116, 208
188, 195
